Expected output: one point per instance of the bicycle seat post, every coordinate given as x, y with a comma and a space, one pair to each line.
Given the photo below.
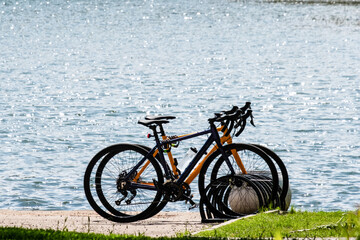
162, 131
155, 133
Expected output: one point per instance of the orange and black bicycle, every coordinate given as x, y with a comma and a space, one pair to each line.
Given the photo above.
130, 182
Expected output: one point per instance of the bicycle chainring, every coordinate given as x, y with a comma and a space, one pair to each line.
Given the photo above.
172, 191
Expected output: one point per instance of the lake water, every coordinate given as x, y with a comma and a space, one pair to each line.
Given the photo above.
75, 76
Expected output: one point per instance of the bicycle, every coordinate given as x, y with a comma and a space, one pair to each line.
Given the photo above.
226, 128
146, 177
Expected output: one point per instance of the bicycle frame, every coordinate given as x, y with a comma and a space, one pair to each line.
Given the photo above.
226, 138
189, 174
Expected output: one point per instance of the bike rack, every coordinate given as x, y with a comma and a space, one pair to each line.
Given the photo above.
214, 206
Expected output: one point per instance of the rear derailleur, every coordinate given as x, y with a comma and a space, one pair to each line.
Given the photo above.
124, 187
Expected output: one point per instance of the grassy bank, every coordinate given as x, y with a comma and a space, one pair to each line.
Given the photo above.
292, 225
273, 225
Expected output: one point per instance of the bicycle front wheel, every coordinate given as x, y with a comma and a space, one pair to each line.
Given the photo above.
257, 167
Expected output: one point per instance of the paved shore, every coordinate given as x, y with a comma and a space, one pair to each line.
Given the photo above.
163, 224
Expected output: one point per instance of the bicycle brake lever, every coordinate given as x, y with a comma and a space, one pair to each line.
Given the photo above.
252, 120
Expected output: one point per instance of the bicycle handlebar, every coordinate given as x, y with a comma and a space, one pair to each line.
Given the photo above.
246, 107
242, 123
233, 110
231, 116
236, 114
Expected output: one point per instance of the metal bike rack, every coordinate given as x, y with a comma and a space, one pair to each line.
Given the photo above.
214, 206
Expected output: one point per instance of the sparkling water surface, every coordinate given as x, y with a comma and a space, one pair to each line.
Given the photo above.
76, 76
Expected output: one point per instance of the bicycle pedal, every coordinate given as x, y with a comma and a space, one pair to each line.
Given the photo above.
193, 205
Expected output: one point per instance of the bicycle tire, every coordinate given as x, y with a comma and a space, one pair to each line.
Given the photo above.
255, 161
89, 181
106, 188
283, 181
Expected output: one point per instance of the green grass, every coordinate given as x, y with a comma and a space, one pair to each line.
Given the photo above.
41, 234
265, 225
292, 225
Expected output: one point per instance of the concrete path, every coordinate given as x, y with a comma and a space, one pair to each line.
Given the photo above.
163, 224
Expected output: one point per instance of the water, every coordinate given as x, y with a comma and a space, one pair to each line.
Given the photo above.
76, 76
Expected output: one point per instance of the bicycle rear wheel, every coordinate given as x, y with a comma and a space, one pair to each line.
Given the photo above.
89, 180
124, 199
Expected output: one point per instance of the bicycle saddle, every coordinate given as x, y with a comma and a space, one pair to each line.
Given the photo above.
149, 123
159, 117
